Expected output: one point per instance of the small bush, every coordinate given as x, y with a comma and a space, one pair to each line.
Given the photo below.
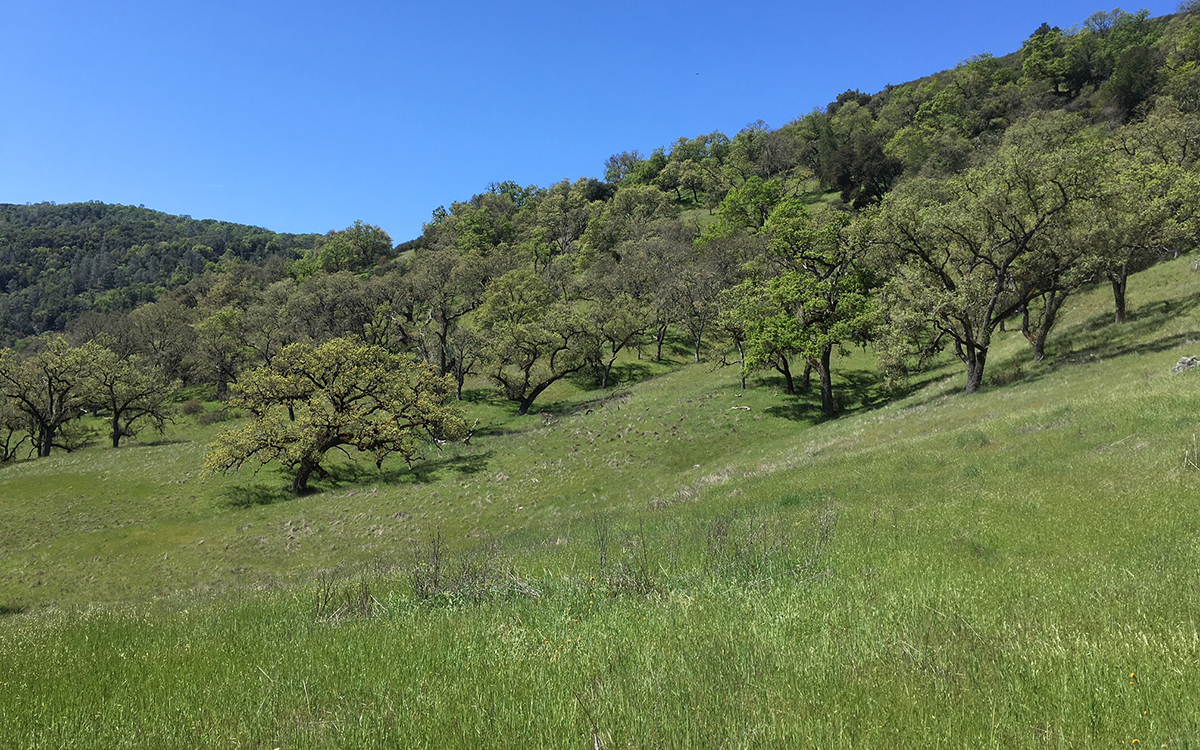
192, 407
1008, 376
636, 571
219, 415
336, 599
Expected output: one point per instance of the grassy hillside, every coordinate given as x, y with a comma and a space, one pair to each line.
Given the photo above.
681, 564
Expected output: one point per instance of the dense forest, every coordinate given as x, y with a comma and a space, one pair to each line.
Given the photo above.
915, 220
60, 261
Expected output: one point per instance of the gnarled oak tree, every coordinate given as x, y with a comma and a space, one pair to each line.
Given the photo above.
341, 394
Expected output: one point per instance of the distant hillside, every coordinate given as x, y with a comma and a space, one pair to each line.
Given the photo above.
58, 261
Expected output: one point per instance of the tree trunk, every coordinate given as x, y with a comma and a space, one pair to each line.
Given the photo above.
443, 339
806, 378
607, 372
659, 336
699, 336
528, 400
47, 442
785, 369
975, 359
116, 431
1119, 282
828, 405
303, 472
1037, 334
742, 363
1039, 346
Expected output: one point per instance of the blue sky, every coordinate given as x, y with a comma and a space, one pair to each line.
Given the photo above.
305, 116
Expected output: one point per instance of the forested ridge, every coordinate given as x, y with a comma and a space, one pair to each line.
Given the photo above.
59, 261
915, 220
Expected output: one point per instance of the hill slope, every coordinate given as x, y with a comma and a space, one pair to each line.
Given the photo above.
1010, 569
58, 261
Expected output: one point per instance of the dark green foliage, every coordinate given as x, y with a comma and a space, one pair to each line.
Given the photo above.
59, 261
846, 151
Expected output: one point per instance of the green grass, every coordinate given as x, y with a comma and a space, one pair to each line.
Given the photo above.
1018, 568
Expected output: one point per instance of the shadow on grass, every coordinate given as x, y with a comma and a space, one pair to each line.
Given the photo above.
797, 409
623, 374
358, 473
1100, 338
421, 472
153, 443
487, 396
252, 496
854, 390
541, 413
493, 398
12, 609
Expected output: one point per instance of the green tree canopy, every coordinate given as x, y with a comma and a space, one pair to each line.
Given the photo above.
130, 393
49, 386
337, 395
962, 245
534, 338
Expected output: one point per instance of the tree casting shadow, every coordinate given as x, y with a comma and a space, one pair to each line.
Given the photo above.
1100, 338
350, 474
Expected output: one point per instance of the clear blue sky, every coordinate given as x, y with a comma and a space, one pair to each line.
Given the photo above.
304, 116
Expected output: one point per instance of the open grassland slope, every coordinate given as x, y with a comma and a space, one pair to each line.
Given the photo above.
680, 564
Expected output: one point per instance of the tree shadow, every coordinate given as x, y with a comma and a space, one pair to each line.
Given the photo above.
675, 348
486, 396
12, 609
421, 472
547, 412
863, 390
1138, 329
628, 373
855, 391
134, 444
797, 410
1099, 338
492, 397
356, 473
623, 374
252, 496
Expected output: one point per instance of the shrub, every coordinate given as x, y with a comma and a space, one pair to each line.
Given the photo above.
218, 415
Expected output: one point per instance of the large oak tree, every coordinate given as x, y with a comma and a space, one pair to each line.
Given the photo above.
966, 248
341, 394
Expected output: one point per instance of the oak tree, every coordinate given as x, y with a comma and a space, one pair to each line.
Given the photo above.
338, 395
48, 386
534, 339
130, 393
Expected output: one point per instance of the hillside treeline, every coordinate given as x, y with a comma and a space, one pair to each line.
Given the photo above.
916, 220
58, 262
